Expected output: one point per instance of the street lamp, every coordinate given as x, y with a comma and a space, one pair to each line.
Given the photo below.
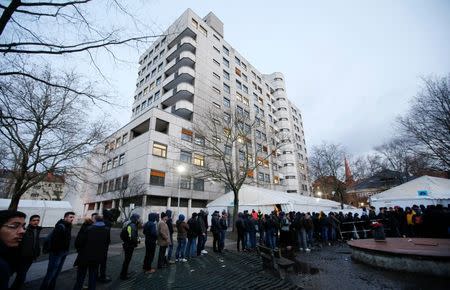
180, 169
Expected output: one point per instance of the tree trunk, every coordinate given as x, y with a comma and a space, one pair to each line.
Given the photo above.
14, 204
235, 208
7, 14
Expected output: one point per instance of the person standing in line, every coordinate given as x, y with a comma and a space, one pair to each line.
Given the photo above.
191, 250
201, 234
12, 229
151, 236
58, 250
182, 229
130, 238
93, 245
223, 226
240, 227
163, 240
30, 249
215, 230
102, 277
169, 223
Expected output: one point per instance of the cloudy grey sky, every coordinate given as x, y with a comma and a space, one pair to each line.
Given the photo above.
351, 66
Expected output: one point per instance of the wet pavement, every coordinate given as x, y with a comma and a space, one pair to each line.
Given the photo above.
328, 268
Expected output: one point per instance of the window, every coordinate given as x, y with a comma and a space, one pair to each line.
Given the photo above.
238, 84
105, 187
226, 88
245, 89
216, 90
103, 167
226, 50
290, 176
157, 177
111, 185
118, 183
199, 140
186, 135
199, 160
226, 75
216, 62
239, 110
266, 177
185, 182
227, 150
244, 76
203, 30
186, 156
226, 102
125, 182
241, 155
237, 71
237, 60
159, 150
226, 117
115, 162
216, 76
199, 184
226, 62
260, 176
194, 23
124, 138
216, 37
158, 81
109, 165
99, 188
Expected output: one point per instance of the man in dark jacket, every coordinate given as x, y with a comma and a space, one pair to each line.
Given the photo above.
151, 235
129, 243
12, 229
192, 235
29, 250
223, 226
107, 217
59, 248
169, 223
201, 234
240, 228
215, 229
93, 246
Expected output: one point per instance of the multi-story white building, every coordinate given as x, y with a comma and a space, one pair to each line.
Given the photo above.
180, 76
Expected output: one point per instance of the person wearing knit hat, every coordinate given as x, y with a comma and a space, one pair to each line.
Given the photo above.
130, 238
163, 240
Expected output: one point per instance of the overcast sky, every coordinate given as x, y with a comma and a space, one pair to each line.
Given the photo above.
350, 66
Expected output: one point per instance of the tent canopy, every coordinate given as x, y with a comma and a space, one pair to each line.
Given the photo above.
252, 197
423, 190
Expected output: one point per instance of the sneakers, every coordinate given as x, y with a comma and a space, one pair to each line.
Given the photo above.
177, 260
183, 260
308, 250
171, 262
204, 252
301, 249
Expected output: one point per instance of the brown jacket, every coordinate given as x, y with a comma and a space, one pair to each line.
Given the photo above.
182, 228
163, 234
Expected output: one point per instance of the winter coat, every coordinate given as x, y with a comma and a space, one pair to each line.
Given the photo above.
193, 228
182, 228
30, 246
150, 231
223, 224
132, 230
8, 264
92, 244
163, 234
215, 224
61, 237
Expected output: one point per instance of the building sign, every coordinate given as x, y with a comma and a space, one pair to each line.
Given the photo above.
422, 192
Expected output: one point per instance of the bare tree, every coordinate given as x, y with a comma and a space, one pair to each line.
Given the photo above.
326, 161
230, 147
367, 165
129, 191
427, 123
44, 128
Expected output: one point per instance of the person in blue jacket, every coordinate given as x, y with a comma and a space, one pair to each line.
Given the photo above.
151, 235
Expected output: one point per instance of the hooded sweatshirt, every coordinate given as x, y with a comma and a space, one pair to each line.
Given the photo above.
150, 231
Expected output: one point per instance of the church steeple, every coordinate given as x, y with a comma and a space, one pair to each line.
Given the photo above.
348, 173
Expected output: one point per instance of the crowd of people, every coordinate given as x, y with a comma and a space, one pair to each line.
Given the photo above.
20, 244
303, 231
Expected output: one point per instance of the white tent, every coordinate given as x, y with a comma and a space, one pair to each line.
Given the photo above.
257, 198
424, 190
50, 211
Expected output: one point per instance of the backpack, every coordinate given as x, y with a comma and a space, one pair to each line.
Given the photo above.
124, 236
48, 241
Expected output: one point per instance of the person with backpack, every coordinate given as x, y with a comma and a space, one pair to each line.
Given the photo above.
151, 235
58, 243
92, 245
130, 239
30, 249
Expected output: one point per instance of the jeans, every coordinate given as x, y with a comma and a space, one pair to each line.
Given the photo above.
150, 248
302, 239
21, 274
270, 239
324, 234
191, 249
128, 250
222, 240
309, 238
55, 264
247, 240
252, 238
180, 249
200, 244
333, 236
81, 275
169, 253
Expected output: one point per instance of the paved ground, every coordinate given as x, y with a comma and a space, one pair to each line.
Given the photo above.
324, 268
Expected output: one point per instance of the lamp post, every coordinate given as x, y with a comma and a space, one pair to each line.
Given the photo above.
180, 169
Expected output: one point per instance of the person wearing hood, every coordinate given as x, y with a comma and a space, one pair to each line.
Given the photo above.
169, 223
192, 235
92, 245
151, 235
130, 240
59, 248
163, 240
12, 229
182, 230
30, 249
240, 227
215, 229
201, 239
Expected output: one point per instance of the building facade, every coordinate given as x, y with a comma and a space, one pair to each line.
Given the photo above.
181, 76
